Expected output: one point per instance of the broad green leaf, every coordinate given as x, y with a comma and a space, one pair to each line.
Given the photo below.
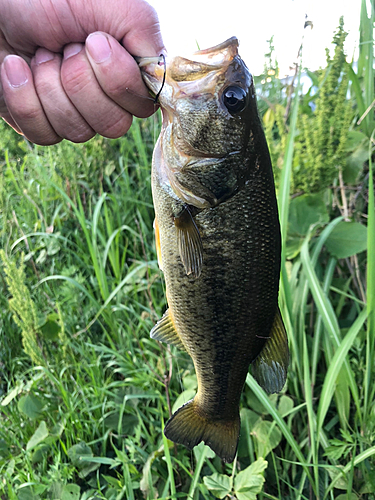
30, 405
50, 329
266, 436
4, 450
354, 163
190, 382
254, 404
53, 246
293, 246
58, 429
41, 257
183, 398
9, 471
110, 168
219, 484
347, 239
31, 492
249, 482
249, 416
77, 451
71, 492
286, 405
336, 474
146, 483
304, 211
80, 454
41, 451
248, 420
203, 449
39, 435
257, 467
345, 496
128, 423
12, 393
354, 139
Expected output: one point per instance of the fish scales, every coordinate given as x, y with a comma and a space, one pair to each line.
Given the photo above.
213, 310
218, 241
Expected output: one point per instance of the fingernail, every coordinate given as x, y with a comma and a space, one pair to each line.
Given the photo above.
43, 55
15, 71
98, 47
72, 49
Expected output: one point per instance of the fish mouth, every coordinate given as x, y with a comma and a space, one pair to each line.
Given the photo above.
178, 70
153, 69
224, 51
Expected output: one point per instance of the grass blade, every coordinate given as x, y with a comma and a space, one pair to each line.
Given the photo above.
370, 334
328, 316
264, 400
337, 362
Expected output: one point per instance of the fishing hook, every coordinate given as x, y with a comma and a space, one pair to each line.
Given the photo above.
162, 83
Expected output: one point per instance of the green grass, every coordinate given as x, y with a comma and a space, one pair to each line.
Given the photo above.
84, 420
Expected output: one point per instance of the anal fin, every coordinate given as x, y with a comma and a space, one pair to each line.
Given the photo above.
165, 331
271, 366
189, 243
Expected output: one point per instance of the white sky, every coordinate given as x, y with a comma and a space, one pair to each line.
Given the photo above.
210, 22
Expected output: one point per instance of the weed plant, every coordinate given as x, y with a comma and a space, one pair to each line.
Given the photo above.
84, 391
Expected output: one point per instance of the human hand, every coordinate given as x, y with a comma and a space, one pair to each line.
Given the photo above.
67, 69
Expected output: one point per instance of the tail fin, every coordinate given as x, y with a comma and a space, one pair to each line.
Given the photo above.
188, 426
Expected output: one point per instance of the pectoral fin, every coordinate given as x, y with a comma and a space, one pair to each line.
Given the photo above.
189, 243
157, 243
271, 366
165, 331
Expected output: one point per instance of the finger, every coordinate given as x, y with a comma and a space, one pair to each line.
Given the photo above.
80, 84
118, 74
22, 102
142, 36
4, 113
61, 113
11, 122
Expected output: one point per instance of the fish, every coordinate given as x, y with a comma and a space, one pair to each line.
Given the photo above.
217, 238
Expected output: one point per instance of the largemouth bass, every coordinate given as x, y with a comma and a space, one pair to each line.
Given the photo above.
218, 239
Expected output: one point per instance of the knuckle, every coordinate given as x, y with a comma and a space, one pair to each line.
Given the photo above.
117, 128
27, 113
75, 82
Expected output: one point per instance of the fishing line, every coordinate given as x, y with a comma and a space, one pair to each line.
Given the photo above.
162, 83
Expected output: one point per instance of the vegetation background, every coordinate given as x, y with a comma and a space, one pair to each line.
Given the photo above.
84, 391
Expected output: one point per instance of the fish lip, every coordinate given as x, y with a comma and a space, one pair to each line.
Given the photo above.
231, 44
144, 61
150, 67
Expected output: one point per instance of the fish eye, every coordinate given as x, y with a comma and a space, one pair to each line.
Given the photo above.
234, 99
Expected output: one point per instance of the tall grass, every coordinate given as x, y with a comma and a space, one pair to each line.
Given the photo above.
85, 421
